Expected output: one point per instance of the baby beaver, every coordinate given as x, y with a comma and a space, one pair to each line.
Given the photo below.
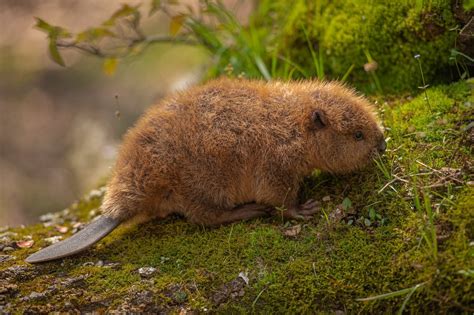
232, 150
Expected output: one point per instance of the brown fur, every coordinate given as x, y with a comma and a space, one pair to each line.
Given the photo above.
229, 149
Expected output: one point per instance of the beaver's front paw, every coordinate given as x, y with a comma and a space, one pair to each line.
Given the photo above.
304, 211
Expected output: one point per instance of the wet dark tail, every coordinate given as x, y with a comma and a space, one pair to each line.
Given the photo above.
80, 241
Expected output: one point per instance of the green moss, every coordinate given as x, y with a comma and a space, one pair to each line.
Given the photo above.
327, 267
347, 32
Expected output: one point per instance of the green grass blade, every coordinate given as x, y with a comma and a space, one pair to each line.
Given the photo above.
262, 67
391, 294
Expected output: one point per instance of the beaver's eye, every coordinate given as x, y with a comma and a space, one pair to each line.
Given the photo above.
359, 135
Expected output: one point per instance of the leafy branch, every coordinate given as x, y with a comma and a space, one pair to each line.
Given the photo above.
212, 27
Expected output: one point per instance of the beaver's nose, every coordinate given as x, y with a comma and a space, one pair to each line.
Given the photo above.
382, 146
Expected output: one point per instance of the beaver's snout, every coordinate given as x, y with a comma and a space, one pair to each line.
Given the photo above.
382, 146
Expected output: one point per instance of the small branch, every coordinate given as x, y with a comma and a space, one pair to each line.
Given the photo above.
170, 39
97, 51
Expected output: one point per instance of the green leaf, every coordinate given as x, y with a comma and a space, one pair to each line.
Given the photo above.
346, 203
124, 11
110, 66
155, 6
467, 273
54, 53
53, 31
176, 23
43, 25
93, 34
372, 214
468, 5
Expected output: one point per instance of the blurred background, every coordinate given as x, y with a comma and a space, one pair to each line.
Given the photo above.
60, 127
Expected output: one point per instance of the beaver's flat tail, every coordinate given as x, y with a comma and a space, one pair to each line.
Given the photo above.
80, 241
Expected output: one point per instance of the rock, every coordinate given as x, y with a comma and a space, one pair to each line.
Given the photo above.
77, 226
147, 272
35, 296
47, 217
244, 277
96, 193
7, 288
5, 241
8, 234
7, 291
229, 291
18, 273
293, 230
327, 198
112, 265
337, 215
53, 239
140, 302
73, 282
4, 258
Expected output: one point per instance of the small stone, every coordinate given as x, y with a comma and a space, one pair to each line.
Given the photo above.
71, 282
292, 231
326, 198
337, 215
61, 229
77, 227
244, 277
8, 234
5, 240
147, 272
7, 289
53, 239
96, 193
46, 217
36, 296
100, 263
420, 134
8, 249
4, 258
112, 265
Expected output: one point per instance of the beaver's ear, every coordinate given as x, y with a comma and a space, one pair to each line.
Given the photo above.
318, 120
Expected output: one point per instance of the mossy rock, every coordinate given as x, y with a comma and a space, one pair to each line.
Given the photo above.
406, 224
354, 33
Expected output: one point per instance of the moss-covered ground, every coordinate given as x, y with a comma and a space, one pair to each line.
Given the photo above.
384, 35
407, 223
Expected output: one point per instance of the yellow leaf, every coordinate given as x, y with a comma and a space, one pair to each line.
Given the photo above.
176, 23
109, 66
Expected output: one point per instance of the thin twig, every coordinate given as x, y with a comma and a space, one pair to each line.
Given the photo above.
97, 51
